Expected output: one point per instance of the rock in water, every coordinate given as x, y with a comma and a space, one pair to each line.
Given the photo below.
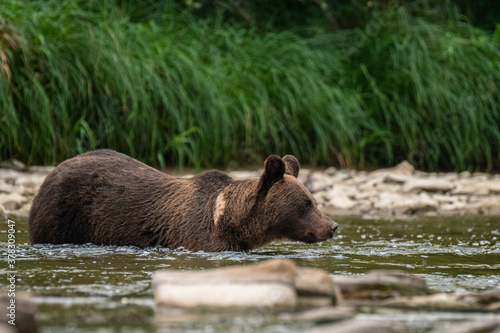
23, 310
269, 284
381, 284
275, 284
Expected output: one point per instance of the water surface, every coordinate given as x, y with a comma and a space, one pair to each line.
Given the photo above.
89, 288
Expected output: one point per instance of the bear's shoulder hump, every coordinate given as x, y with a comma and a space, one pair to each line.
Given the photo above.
212, 176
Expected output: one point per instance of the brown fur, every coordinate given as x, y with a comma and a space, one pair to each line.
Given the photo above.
108, 198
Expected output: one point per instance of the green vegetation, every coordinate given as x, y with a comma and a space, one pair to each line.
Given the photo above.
170, 84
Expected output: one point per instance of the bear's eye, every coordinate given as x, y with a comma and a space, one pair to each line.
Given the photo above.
303, 207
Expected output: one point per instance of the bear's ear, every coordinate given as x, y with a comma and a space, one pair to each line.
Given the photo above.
274, 169
292, 166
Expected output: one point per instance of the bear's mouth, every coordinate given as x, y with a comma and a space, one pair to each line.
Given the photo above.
311, 238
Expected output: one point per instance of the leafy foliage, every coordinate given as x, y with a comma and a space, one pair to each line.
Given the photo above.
170, 85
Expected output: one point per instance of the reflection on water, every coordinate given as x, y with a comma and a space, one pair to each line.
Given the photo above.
453, 253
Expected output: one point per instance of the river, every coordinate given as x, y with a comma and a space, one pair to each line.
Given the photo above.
93, 288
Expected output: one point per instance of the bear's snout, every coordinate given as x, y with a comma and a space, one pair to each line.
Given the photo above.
332, 225
327, 229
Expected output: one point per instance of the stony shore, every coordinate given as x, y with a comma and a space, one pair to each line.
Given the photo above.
399, 191
396, 192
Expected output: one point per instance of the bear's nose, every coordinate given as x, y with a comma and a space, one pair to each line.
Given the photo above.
334, 227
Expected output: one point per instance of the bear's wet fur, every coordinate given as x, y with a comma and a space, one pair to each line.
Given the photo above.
108, 198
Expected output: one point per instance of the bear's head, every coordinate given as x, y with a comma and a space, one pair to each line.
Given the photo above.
289, 208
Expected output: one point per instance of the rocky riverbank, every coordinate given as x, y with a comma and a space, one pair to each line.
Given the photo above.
399, 191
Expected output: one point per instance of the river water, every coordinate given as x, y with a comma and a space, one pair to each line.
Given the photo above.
108, 289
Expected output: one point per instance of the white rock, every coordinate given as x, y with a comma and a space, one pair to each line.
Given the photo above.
388, 187
444, 198
368, 195
405, 203
343, 174
305, 177
30, 180
13, 164
270, 284
364, 206
342, 202
360, 208
464, 175
22, 212
9, 176
244, 174
321, 196
12, 201
486, 202
370, 183
449, 199
387, 200
403, 168
426, 200
41, 169
338, 191
455, 206
361, 174
27, 191
397, 178
422, 174
381, 284
320, 182
331, 171
316, 282
494, 186
6, 188
448, 175
487, 205
481, 176
361, 178
428, 184
239, 295
471, 186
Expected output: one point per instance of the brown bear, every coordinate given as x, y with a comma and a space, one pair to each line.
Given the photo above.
108, 198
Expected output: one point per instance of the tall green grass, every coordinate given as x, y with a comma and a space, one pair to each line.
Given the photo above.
433, 90
172, 89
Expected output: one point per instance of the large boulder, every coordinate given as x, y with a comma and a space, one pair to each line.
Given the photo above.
275, 284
